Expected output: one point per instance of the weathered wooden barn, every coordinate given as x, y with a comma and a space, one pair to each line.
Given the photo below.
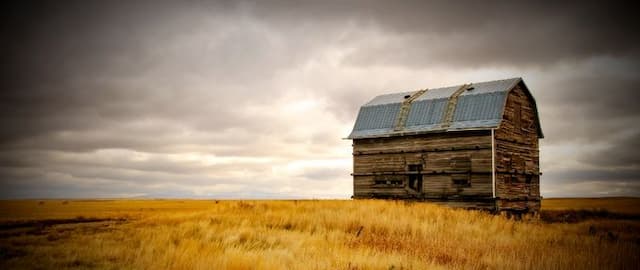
472, 145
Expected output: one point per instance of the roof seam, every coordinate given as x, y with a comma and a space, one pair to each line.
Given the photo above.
401, 120
451, 106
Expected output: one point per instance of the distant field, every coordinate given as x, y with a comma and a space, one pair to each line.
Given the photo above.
207, 234
617, 205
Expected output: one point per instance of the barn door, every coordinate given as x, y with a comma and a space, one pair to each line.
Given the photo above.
415, 177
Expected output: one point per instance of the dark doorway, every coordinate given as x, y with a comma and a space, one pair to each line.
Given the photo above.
415, 177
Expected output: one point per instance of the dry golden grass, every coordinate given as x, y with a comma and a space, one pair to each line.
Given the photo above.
197, 234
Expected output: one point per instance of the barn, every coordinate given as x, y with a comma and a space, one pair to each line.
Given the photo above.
473, 145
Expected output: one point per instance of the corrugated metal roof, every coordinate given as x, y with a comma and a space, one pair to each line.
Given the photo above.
479, 108
426, 112
377, 117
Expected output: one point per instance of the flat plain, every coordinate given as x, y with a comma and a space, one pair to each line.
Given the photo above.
315, 234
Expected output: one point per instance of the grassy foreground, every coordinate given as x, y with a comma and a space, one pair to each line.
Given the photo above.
198, 234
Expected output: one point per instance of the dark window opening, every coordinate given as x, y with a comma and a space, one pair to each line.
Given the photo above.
415, 167
461, 180
388, 182
415, 180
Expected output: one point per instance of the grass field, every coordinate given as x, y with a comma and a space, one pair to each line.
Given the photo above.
199, 234
616, 205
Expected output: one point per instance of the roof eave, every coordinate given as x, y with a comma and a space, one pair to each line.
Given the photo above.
408, 133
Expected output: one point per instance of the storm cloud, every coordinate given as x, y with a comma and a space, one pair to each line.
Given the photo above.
242, 99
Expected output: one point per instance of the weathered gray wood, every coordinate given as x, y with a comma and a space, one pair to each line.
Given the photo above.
434, 152
517, 155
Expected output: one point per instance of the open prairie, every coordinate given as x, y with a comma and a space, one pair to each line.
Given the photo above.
312, 234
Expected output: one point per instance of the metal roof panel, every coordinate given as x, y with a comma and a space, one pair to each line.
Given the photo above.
426, 112
388, 98
377, 117
480, 106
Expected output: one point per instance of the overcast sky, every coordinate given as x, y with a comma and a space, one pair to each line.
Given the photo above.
237, 99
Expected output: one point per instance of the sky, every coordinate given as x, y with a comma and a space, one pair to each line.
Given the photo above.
252, 99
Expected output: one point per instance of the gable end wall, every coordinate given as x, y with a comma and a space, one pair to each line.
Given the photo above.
517, 154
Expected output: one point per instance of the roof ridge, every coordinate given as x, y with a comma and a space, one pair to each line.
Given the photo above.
449, 86
447, 118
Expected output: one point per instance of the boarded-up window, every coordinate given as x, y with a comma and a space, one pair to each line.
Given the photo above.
438, 165
461, 168
461, 164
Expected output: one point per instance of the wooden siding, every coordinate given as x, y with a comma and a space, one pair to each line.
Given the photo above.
517, 155
442, 156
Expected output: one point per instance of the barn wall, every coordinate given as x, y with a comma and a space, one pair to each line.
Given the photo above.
517, 155
444, 156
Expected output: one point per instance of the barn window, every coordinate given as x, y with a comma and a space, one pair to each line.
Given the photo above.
415, 167
388, 182
415, 178
461, 180
461, 164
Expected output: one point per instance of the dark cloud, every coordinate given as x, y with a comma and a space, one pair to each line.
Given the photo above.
620, 154
598, 174
463, 34
157, 98
590, 107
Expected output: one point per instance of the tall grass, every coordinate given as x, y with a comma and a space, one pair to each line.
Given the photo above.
311, 235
